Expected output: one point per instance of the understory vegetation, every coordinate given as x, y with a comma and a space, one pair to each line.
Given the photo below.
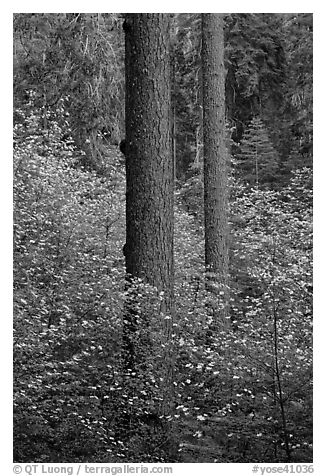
242, 393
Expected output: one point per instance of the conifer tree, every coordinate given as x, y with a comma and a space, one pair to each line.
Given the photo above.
257, 160
215, 162
149, 176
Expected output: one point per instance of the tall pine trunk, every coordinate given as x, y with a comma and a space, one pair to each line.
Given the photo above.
215, 164
149, 176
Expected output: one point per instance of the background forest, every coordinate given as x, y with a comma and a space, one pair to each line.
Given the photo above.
242, 394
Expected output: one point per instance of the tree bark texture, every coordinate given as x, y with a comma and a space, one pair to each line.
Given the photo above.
149, 163
215, 157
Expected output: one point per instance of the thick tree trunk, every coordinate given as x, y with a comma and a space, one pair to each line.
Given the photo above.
215, 161
149, 165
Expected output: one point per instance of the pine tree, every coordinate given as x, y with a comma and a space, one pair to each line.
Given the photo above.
149, 174
257, 159
215, 160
